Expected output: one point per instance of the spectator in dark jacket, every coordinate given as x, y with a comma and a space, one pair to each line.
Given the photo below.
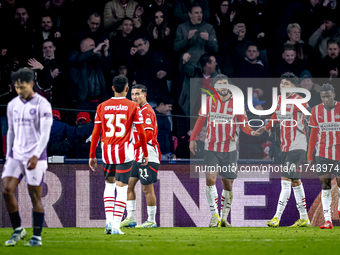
164, 137
150, 67
87, 68
92, 30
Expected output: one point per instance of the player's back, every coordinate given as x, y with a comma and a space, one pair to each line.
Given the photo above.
26, 118
117, 116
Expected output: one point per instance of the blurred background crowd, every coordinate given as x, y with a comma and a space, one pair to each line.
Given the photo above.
77, 47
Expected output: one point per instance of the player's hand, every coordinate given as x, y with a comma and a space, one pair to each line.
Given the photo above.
93, 164
161, 74
32, 163
204, 35
133, 51
35, 64
191, 33
257, 132
310, 163
260, 131
193, 146
145, 161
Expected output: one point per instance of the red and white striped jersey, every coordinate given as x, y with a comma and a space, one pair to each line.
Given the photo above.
117, 117
292, 135
222, 131
150, 123
328, 123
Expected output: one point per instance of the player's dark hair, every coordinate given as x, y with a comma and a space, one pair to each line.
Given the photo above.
119, 83
195, 4
143, 88
165, 99
204, 59
24, 75
327, 87
290, 77
219, 77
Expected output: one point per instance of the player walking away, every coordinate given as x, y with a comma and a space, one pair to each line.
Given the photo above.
29, 124
220, 149
147, 174
325, 134
293, 148
114, 122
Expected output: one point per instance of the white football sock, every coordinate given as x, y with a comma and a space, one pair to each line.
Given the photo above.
130, 208
152, 213
283, 199
226, 199
119, 205
109, 201
300, 199
211, 193
326, 200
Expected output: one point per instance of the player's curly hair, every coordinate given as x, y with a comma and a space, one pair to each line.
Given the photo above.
327, 87
119, 82
290, 77
24, 75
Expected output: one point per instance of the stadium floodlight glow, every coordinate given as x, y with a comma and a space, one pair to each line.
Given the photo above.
238, 102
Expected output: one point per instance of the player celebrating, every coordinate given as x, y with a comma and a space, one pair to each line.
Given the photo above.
114, 121
220, 148
148, 174
325, 124
29, 124
293, 148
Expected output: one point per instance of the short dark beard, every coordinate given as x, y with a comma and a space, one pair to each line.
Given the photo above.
223, 95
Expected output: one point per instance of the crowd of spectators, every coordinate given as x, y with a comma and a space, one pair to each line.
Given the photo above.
76, 47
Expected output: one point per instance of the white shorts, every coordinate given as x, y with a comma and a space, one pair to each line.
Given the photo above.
18, 169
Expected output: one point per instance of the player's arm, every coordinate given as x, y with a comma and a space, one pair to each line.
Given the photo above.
272, 121
313, 136
246, 128
10, 131
197, 129
94, 142
46, 121
149, 135
312, 142
143, 140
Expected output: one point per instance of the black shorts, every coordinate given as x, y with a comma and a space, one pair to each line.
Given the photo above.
292, 164
225, 163
146, 174
327, 166
120, 171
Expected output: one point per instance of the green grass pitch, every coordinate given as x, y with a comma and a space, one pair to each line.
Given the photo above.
176, 241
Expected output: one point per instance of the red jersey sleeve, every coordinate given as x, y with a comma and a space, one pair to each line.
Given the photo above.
149, 121
312, 119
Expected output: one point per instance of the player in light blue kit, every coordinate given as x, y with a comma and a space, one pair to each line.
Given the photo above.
29, 124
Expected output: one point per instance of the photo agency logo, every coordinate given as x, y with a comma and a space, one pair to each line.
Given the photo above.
284, 116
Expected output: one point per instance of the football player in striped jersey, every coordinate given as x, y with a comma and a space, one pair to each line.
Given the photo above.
325, 134
220, 148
